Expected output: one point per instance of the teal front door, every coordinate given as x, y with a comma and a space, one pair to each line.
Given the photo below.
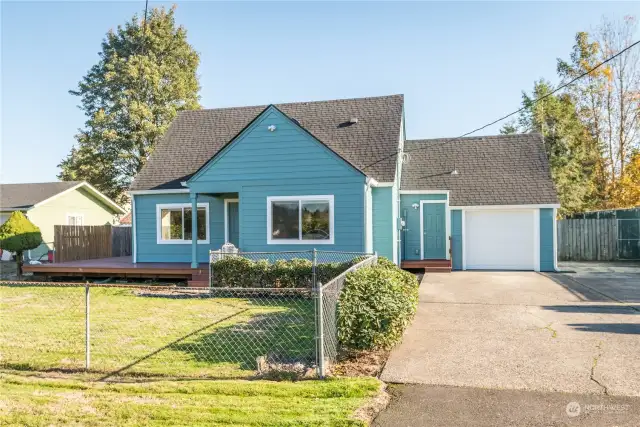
233, 223
433, 228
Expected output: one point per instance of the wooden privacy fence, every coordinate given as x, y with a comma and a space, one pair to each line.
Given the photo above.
588, 239
120, 241
73, 243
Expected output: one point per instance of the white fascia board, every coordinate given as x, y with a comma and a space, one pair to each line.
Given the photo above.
91, 188
425, 192
168, 191
481, 207
383, 184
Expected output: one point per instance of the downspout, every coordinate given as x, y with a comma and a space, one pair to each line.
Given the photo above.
399, 163
368, 220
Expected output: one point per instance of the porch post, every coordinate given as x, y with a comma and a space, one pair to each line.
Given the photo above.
194, 229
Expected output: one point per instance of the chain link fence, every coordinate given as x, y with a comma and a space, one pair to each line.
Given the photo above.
235, 329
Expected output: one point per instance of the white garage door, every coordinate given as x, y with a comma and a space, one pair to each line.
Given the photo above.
499, 239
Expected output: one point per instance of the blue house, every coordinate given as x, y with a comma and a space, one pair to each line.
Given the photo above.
340, 175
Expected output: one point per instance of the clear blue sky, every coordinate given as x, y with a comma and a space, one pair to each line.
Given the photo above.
459, 65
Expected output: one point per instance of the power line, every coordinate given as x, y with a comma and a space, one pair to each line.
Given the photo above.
559, 88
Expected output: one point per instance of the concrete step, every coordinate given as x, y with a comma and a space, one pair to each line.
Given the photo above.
432, 269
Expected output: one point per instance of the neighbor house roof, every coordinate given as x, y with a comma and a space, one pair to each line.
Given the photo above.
26, 196
492, 170
196, 136
126, 219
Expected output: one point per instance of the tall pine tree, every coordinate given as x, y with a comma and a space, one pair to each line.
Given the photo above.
145, 75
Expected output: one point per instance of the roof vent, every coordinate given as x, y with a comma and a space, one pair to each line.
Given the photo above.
296, 122
353, 120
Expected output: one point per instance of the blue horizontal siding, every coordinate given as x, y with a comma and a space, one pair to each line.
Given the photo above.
286, 153
348, 214
383, 221
456, 239
147, 248
259, 164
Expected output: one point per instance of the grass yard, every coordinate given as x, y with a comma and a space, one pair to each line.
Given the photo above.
43, 328
31, 401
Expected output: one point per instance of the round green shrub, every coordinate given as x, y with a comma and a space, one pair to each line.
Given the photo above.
376, 305
19, 235
386, 262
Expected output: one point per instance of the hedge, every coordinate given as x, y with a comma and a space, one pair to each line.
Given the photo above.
240, 272
376, 305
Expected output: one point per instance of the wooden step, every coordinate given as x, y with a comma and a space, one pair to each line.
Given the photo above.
422, 263
198, 284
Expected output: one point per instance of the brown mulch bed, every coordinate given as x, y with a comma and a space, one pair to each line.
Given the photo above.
361, 363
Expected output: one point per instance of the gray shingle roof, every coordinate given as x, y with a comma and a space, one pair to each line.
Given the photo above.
23, 196
493, 170
196, 136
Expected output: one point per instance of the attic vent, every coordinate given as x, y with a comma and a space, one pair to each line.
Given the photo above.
353, 120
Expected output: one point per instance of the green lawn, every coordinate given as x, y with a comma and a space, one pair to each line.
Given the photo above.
31, 401
43, 328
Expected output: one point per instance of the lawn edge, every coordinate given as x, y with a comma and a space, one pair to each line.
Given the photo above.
373, 405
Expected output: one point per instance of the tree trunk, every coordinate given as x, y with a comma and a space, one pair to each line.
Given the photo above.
19, 262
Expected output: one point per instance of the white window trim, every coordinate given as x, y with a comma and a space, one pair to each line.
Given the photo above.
159, 208
328, 198
447, 226
226, 217
69, 215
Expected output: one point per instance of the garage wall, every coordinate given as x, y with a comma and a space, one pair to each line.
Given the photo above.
547, 252
546, 240
456, 239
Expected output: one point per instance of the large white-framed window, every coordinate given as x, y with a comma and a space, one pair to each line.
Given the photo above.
300, 220
173, 223
75, 219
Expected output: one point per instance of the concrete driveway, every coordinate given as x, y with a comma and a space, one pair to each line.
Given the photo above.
527, 331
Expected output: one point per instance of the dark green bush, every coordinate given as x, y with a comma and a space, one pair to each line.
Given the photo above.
234, 272
237, 271
376, 305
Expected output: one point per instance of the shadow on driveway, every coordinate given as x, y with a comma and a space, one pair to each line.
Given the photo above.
604, 309
613, 328
593, 287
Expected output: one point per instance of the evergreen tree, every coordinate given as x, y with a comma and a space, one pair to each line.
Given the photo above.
568, 144
145, 75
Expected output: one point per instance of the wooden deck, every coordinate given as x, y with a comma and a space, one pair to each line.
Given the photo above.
429, 265
120, 267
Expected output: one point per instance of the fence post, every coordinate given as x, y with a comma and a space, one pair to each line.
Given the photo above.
320, 331
314, 259
87, 336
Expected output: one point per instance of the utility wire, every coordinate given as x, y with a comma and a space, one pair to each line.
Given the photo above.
520, 109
